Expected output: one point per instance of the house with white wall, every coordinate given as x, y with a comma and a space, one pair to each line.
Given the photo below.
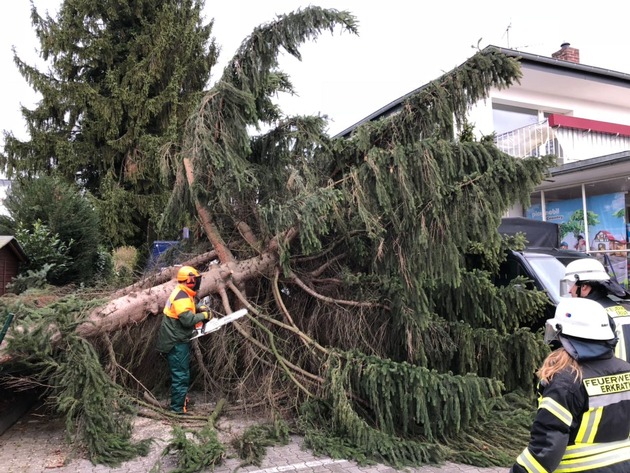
581, 114
4, 188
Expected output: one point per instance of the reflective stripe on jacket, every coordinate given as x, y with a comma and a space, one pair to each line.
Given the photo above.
179, 319
181, 300
582, 426
622, 327
620, 321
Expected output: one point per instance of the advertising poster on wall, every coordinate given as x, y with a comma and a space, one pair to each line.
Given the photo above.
606, 216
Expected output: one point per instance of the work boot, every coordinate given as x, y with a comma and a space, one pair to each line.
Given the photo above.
188, 403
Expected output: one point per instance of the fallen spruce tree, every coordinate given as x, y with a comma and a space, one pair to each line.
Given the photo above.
364, 261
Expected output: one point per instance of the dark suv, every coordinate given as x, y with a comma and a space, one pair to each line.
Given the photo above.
545, 267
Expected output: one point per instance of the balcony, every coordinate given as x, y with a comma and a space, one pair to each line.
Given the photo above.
569, 138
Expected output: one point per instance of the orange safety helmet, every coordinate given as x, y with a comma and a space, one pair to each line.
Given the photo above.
189, 276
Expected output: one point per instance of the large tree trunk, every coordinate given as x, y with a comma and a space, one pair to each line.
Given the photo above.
164, 275
137, 305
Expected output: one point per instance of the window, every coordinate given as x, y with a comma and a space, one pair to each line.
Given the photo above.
508, 117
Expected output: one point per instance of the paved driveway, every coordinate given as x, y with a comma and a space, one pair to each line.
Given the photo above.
35, 444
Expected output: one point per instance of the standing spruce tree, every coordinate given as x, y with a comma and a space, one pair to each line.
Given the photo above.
48, 203
365, 264
123, 78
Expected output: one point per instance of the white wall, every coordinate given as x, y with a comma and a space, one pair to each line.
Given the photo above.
557, 93
4, 186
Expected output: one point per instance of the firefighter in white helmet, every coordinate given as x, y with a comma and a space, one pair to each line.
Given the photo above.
587, 278
583, 418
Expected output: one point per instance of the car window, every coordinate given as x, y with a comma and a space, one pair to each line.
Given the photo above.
549, 271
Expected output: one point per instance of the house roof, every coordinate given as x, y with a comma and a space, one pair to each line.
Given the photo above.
609, 161
381, 112
594, 72
13, 245
609, 171
527, 59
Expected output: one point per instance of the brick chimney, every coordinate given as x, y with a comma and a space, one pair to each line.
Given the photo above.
567, 53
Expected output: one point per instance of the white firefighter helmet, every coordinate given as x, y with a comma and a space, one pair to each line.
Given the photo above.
584, 270
581, 318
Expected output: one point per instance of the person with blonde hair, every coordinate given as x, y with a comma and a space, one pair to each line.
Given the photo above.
583, 418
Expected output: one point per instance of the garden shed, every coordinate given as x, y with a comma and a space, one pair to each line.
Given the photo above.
11, 255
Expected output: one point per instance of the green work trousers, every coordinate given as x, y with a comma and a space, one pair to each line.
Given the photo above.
179, 364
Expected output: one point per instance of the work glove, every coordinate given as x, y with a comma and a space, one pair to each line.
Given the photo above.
203, 308
206, 315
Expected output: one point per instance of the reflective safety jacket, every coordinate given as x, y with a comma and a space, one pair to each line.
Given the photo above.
621, 322
179, 319
582, 425
621, 317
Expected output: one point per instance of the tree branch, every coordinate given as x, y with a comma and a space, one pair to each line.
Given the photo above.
248, 235
334, 281
202, 366
164, 275
249, 337
225, 300
317, 272
292, 328
310, 291
224, 253
265, 348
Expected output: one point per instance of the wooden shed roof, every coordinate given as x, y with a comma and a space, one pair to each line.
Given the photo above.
10, 242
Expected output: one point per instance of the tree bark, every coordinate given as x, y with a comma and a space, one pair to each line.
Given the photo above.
136, 306
164, 275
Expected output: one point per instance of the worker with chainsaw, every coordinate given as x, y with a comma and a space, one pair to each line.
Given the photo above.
181, 314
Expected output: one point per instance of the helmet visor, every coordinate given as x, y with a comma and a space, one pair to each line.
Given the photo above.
197, 285
565, 287
551, 333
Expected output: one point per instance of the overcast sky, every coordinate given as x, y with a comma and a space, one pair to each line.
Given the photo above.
402, 44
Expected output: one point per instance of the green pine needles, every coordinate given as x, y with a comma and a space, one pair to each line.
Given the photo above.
197, 449
377, 410
251, 446
367, 261
97, 411
121, 80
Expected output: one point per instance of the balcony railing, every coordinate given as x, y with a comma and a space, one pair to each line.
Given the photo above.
568, 143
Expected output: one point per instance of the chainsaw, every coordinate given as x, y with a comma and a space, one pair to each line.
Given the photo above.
215, 324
